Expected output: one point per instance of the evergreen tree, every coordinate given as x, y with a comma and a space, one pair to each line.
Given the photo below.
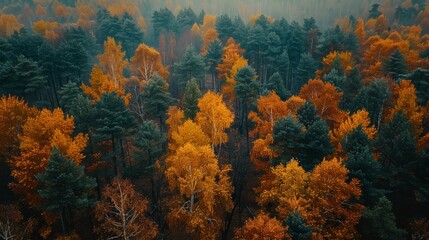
297, 228
213, 57
420, 79
247, 90
73, 61
64, 187
156, 98
395, 66
296, 44
275, 83
316, 144
335, 78
307, 114
224, 27
374, 12
114, 121
282, 65
131, 35
381, 222
190, 66
287, 134
351, 88
305, 71
362, 165
274, 50
240, 30
68, 95
186, 18
84, 114
373, 98
190, 99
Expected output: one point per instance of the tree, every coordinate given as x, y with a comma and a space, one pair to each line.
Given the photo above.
224, 27
247, 90
373, 98
381, 221
131, 35
373, 12
333, 212
214, 117
231, 53
64, 186
261, 227
68, 95
229, 88
190, 99
406, 102
30, 81
122, 213
297, 228
213, 57
360, 118
325, 98
146, 62
188, 132
100, 84
175, 118
202, 192
8, 25
419, 78
48, 129
275, 83
113, 122
191, 66
362, 164
156, 98
113, 62
287, 135
13, 225
395, 66
305, 71
14, 112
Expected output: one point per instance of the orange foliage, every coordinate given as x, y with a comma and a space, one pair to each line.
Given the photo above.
346, 62
146, 62
86, 14
214, 117
360, 31
40, 135
360, 118
326, 99
8, 25
253, 18
344, 24
229, 88
210, 35
231, 53
13, 114
99, 84
122, 211
48, 30
203, 192
61, 10
406, 101
209, 22
176, 117
188, 132
323, 197
113, 61
262, 227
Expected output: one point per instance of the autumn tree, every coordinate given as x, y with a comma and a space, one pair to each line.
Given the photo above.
64, 186
122, 213
175, 117
13, 225
188, 132
112, 61
214, 117
101, 84
325, 98
39, 136
14, 112
231, 53
146, 62
8, 25
202, 192
262, 227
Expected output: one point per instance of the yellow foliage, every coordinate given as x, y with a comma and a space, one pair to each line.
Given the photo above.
188, 132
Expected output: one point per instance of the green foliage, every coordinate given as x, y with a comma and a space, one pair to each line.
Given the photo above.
297, 228
306, 70
186, 18
156, 98
224, 27
275, 83
190, 99
420, 79
247, 87
68, 95
395, 66
190, 66
287, 134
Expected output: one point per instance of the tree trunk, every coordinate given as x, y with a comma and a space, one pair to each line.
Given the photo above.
115, 167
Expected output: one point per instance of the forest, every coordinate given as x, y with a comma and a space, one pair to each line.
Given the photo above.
199, 119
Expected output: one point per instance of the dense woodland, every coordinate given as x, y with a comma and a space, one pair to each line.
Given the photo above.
201, 120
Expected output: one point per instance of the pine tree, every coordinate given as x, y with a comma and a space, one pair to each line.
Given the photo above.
30, 81
213, 57
64, 187
287, 135
68, 95
297, 228
224, 27
395, 66
190, 99
305, 71
156, 98
275, 83
190, 66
